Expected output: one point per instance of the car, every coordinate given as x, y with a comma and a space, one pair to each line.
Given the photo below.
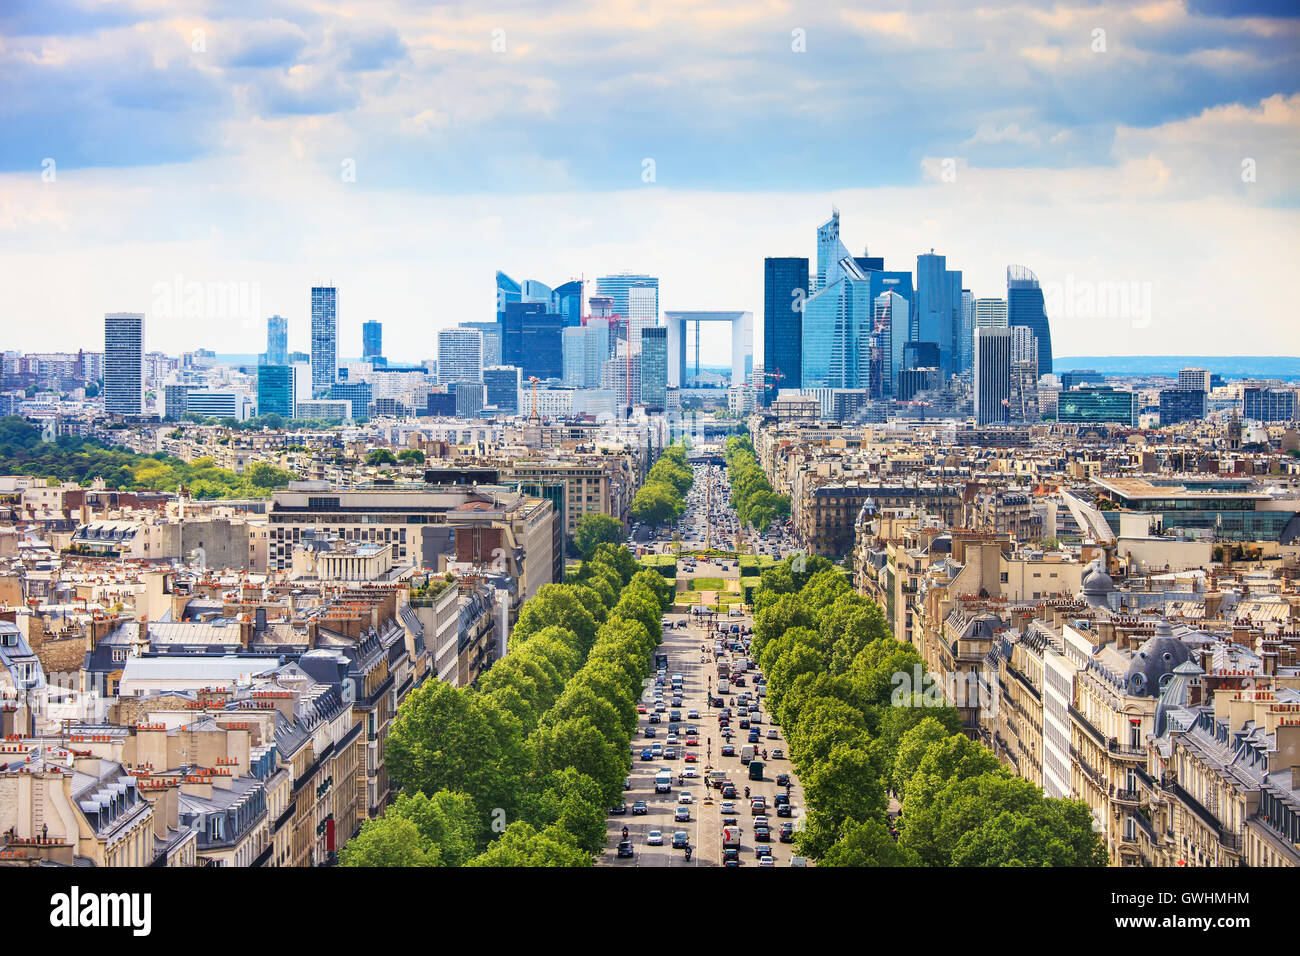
654, 838
670, 753
753, 736
762, 851
672, 737
727, 806
624, 848
660, 707
675, 716
780, 800
766, 861
692, 714
731, 856
728, 750
650, 731
787, 833
691, 756
778, 754
772, 734
639, 808
685, 797
729, 791
682, 815
762, 834
657, 749
619, 808
757, 806
641, 708
690, 772
654, 719
681, 840
785, 810
647, 754
744, 723
692, 740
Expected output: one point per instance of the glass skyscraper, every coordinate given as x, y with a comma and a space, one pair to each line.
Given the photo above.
532, 340
567, 300
460, 356
939, 309
654, 367
1025, 307
324, 337
491, 339
124, 363
837, 325
275, 391
372, 340
277, 340
992, 378
501, 386
785, 289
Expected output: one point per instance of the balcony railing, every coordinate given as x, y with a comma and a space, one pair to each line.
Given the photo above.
1127, 796
1120, 750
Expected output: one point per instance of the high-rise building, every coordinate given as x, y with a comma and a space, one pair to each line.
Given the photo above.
491, 340
360, 394
831, 253
532, 339
618, 288
892, 318
1025, 307
966, 351
1181, 405
939, 309
372, 340
124, 363
275, 394
1097, 404
990, 313
598, 339
324, 337
1081, 376
460, 356
992, 375
567, 300
508, 290
1197, 379
174, 395
642, 310
470, 399
277, 340
654, 367
785, 289
1269, 404
574, 343
501, 388
1023, 401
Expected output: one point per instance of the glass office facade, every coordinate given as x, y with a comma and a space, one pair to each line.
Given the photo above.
275, 390
785, 287
1025, 307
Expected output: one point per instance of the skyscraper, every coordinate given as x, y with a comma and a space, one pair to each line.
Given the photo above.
1194, 379
277, 340
124, 363
491, 340
574, 342
324, 337
618, 289
532, 340
892, 316
992, 378
1023, 399
966, 331
939, 309
785, 289
597, 349
838, 321
275, 390
654, 367
990, 313
830, 253
460, 356
372, 340
501, 386
1025, 307
567, 300
508, 290
642, 310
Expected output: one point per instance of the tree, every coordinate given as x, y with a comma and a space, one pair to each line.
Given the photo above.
656, 503
578, 743
523, 845
380, 456
388, 841
866, 844
411, 456
570, 801
595, 529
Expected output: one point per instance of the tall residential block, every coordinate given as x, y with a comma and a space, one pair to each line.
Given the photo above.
992, 375
277, 340
124, 363
324, 337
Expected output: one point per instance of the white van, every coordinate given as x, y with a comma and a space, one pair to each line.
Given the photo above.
747, 753
664, 781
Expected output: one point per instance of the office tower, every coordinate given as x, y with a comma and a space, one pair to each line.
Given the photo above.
501, 385
277, 340
1081, 376
174, 395
491, 340
124, 363
508, 290
1097, 404
1025, 307
574, 341
912, 381
966, 330
1023, 400
921, 355
642, 310
275, 390
617, 289
992, 378
831, 252
654, 367
530, 290
567, 301
1181, 405
470, 399
324, 337
215, 403
939, 309
460, 356
623, 376
533, 339
598, 338
785, 287
359, 394
990, 313
1269, 404
892, 318
837, 324
1196, 379
372, 340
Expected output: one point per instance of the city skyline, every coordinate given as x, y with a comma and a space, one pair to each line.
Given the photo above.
293, 148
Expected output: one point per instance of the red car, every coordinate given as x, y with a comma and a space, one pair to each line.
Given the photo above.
691, 757
640, 708
692, 741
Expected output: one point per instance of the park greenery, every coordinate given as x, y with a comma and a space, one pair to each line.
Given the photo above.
751, 493
23, 452
855, 738
661, 498
521, 768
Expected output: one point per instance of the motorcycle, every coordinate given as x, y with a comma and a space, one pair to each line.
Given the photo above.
625, 833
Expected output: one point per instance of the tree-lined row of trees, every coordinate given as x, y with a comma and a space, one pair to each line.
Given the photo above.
751, 493
856, 732
520, 770
662, 497
23, 452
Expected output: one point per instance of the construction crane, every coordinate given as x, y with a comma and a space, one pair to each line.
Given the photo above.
533, 416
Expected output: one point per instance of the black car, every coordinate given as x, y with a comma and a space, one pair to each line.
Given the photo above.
731, 853
787, 833
639, 808
624, 848
681, 840
785, 810
619, 808
763, 834
728, 750
782, 779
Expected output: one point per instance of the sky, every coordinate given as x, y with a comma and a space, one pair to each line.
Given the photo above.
207, 161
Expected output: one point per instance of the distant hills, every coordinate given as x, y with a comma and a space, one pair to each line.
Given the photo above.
1286, 367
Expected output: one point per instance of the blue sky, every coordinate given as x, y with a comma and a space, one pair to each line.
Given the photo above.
1149, 148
